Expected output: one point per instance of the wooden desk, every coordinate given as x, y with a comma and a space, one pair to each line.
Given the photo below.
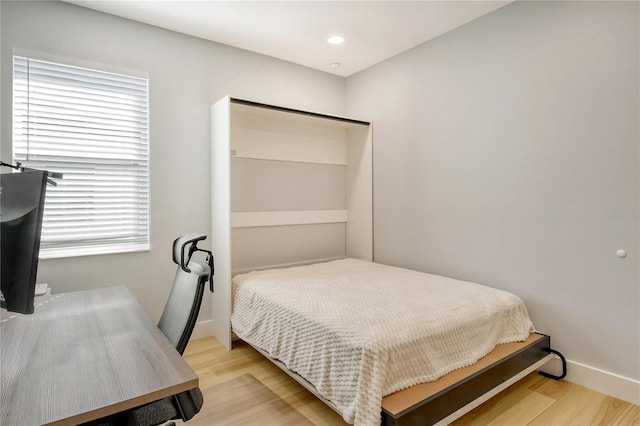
82, 356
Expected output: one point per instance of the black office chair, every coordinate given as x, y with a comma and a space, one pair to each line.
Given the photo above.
177, 322
181, 311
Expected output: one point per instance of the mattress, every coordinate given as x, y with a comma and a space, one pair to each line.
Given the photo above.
358, 330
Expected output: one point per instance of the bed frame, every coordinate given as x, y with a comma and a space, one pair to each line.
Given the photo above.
460, 391
455, 394
322, 168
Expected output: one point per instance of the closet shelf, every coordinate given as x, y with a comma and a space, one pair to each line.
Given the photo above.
292, 217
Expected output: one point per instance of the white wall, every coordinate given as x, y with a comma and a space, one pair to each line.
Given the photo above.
506, 153
186, 76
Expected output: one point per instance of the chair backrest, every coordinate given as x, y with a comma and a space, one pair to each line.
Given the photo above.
181, 311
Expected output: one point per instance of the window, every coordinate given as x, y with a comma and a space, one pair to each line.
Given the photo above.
92, 126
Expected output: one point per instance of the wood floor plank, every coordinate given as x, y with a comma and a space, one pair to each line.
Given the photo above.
535, 400
524, 411
620, 413
258, 402
582, 406
555, 389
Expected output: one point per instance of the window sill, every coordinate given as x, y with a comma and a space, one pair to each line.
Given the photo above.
58, 253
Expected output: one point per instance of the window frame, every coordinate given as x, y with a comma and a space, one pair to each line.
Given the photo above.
140, 241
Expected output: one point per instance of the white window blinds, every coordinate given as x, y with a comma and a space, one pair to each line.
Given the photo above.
92, 126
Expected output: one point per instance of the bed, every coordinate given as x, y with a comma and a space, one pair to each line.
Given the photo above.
358, 331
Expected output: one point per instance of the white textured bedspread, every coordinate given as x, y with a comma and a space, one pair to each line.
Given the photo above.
358, 330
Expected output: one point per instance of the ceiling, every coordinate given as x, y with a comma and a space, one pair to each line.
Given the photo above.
297, 31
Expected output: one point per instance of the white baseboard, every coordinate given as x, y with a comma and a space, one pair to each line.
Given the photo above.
202, 329
599, 380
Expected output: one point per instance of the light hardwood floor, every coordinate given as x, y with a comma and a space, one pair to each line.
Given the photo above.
534, 400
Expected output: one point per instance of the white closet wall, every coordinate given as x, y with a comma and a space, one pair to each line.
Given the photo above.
289, 187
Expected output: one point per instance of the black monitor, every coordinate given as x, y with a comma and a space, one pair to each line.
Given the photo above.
21, 207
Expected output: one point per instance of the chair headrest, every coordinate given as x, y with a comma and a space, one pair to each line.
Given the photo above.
181, 243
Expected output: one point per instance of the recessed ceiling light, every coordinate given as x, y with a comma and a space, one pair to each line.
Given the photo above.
334, 65
335, 39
